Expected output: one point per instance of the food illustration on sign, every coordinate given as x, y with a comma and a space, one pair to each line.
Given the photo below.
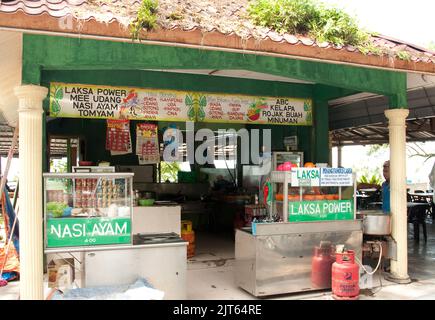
196, 104
129, 103
307, 109
55, 96
202, 103
255, 108
189, 103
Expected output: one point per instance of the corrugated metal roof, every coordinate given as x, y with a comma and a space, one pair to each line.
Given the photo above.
378, 133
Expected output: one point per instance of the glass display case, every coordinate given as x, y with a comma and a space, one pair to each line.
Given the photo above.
313, 194
87, 209
288, 156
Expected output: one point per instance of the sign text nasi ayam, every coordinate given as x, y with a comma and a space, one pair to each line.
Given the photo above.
63, 232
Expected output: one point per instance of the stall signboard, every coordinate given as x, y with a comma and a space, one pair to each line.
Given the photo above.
72, 232
336, 177
321, 177
118, 139
305, 177
106, 102
320, 210
147, 143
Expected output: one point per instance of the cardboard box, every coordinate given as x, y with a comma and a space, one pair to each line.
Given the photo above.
61, 273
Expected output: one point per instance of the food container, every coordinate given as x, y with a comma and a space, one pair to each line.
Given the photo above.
375, 222
290, 197
85, 163
146, 202
294, 197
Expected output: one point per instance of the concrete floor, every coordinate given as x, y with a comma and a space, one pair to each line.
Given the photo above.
210, 274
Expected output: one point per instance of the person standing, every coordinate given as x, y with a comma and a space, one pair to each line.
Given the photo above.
386, 188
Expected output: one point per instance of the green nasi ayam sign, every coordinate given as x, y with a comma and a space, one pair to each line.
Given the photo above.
72, 232
320, 210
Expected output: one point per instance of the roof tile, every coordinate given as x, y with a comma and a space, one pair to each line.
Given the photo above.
307, 41
351, 48
225, 16
291, 38
274, 36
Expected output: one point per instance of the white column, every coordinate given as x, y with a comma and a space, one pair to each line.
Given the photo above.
30, 110
397, 132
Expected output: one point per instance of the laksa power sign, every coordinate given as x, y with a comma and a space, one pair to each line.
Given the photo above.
106, 102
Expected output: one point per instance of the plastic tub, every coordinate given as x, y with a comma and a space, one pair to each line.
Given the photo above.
146, 202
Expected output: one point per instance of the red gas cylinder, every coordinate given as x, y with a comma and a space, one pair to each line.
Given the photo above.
345, 276
321, 267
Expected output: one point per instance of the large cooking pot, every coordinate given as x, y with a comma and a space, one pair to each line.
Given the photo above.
375, 222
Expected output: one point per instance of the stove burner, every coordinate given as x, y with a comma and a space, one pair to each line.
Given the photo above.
148, 238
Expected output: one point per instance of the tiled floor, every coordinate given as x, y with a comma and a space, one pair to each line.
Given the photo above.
210, 274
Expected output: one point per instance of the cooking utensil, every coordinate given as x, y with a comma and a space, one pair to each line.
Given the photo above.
375, 222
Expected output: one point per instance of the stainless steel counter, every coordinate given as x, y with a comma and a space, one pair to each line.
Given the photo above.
164, 265
113, 247
278, 258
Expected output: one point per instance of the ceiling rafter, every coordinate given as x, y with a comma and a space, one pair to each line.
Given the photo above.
417, 130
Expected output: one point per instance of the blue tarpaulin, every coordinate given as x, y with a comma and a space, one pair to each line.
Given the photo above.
10, 212
139, 290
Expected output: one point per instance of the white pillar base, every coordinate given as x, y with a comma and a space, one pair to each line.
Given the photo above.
398, 279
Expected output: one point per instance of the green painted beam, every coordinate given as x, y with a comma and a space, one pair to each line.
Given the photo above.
321, 131
398, 101
323, 92
177, 81
46, 52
